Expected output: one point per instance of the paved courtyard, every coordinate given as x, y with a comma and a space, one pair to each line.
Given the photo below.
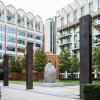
18, 92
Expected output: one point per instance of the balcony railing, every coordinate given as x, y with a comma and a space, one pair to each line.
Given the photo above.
65, 35
76, 22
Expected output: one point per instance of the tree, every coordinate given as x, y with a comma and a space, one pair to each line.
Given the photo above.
64, 60
17, 65
39, 60
96, 58
22, 62
74, 67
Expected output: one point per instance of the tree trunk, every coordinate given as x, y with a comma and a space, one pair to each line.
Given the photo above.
72, 75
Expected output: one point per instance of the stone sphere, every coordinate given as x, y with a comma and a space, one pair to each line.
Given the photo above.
50, 73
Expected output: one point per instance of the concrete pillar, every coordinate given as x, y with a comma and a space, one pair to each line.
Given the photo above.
29, 66
5, 69
85, 50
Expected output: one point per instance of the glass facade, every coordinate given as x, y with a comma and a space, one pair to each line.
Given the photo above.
11, 39
21, 33
10, 48
11, 30
30, 35
69, 35
20, 41
17, 28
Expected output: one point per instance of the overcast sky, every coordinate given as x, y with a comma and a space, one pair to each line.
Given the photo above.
44, 8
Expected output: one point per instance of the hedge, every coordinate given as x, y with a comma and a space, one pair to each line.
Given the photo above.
91, 92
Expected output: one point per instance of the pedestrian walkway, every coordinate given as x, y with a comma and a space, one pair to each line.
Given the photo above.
18, 92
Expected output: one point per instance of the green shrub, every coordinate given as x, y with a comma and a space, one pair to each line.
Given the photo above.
91, 92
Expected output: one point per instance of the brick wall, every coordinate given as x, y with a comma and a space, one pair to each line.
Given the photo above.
53, 58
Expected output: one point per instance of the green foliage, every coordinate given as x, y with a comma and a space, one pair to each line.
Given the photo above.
17, 65
96, 58
1, 68
39, 60
91, 92
74, 67
64, 60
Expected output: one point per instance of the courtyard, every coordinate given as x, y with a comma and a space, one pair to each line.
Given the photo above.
17, 91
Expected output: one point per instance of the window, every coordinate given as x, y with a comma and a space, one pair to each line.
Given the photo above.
22, 50
21, 33
2, 47
10, 48
82, 11
10, 17
2, 28
30, 35
98, 5
90, 7
37, 26
1, 57
2, 38
38, 37
20, 21
2, 15
38, 45
20, 41
11, 39
75, 38
11, 30
62, 22
75, 14
29, 24
68, 18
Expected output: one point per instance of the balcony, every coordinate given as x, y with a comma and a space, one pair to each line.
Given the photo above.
96, 42
76, 22
69, 25
65, 35
66, 43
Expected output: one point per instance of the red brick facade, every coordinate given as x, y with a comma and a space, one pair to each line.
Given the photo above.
53, 58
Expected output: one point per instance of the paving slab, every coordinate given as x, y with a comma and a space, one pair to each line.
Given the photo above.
19, 92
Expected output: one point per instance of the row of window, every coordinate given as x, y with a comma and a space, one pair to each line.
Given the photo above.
12, 48
11, 30
20, 21
75, 13
13, 40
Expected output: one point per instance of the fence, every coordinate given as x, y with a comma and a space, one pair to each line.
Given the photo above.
76, 75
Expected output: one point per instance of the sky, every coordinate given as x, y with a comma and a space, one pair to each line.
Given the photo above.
44, 8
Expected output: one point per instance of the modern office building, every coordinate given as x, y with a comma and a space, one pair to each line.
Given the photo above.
50, 35
16, 29
67, 22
